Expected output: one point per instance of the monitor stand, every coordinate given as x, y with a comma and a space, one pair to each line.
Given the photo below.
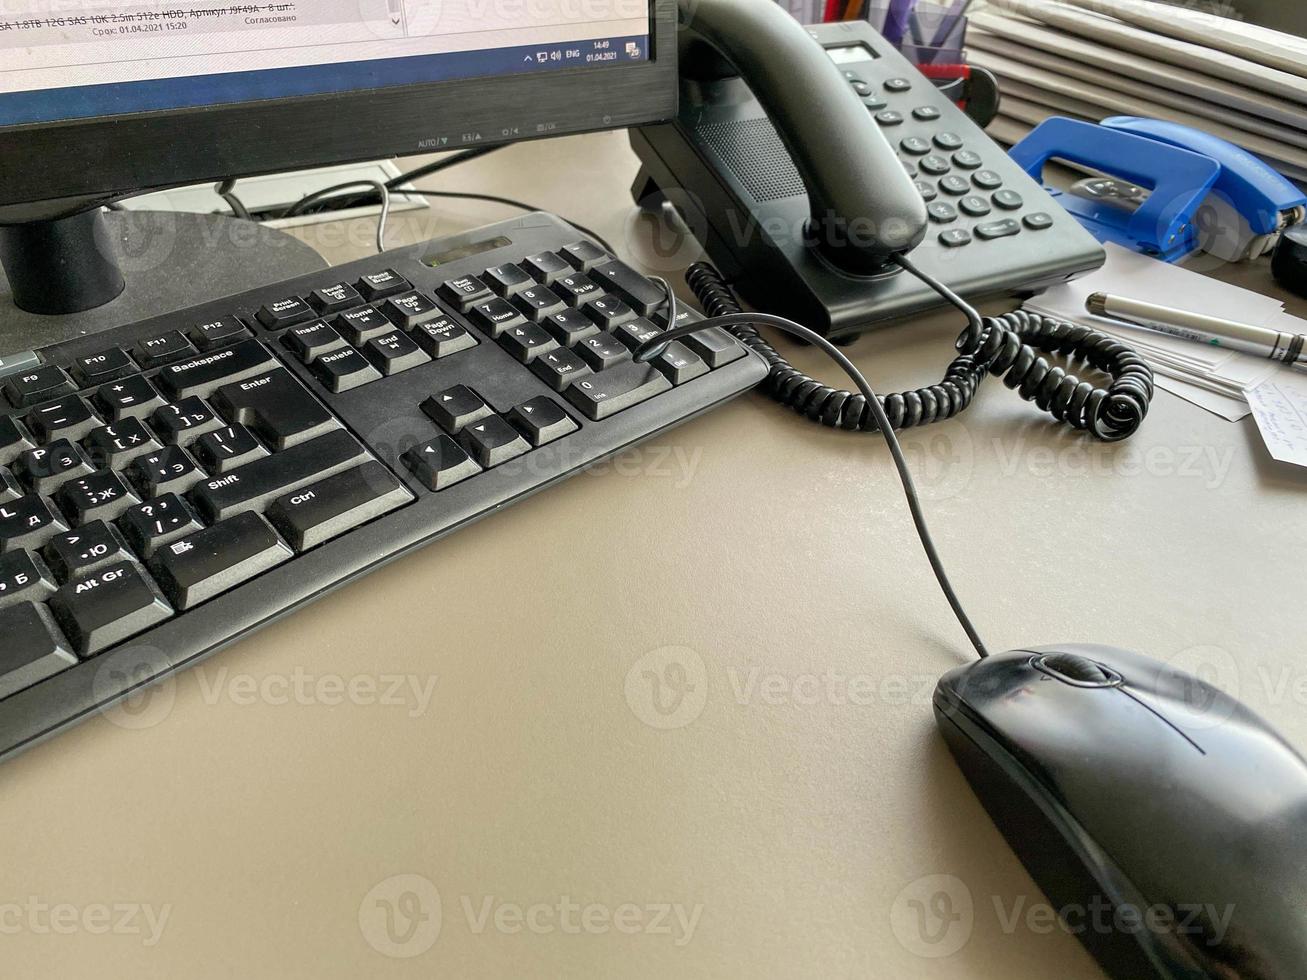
131, 265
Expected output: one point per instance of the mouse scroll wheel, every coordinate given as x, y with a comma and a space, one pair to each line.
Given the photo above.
1076, 669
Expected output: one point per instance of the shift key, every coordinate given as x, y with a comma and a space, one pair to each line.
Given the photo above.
206, 563
252, 486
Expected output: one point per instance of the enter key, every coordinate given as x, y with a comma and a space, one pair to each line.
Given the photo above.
277, 407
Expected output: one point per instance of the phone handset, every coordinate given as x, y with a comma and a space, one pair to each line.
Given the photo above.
864, 207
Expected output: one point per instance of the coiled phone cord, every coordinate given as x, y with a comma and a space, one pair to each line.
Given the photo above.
1007, 346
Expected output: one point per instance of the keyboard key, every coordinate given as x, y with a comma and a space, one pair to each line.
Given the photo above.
496, 315
464, 291
41, 384
181, 423
576, 289
547, 266
157, 522
277, 408
102, 496
107, 607
163, 349
46, 470
680, 364
340, 503
171, 470
344, 370
108, 365
226, 449
34, 648
65, 418
113, 447
998, 229
456, 407
309, 341
361, 325
330, 299
285, 313
644, 296
538, 302
409, 309
222, 331
198, 566
440, 463
492, 441
201, 375
377, 285
507, 280
605, 394
609, 312
542, 420
559, 368
603, 351
636, 332
128, 398
394, 352
570, 327
251, 486
584, 255
527, 342
715, 346
440, 338
27, 523
74, 554
10, 488
24, 578
14, 439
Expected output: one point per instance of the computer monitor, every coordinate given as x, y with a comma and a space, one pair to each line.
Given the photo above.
103, 99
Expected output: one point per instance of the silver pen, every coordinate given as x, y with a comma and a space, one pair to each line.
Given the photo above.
1213, 331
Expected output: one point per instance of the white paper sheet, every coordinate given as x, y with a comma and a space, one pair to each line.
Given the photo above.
1280, 408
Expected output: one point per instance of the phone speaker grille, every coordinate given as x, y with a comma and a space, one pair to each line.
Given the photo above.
754, 152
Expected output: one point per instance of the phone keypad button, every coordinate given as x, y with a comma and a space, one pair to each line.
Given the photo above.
975, 206
955, 185
925, 113
987, 180
935, 165
898, 85
1008, 200
967, 159
1038, 221
890, 117
927, 191
941, 212
955, 237
915, 145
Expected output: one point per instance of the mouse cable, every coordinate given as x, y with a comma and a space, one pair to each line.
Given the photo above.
655, 345
1008, 346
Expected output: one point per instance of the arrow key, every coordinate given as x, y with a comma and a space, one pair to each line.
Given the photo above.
456, 407
492, 441
440, 463
542, 420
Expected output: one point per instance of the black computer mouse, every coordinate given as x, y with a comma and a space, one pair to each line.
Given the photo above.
1134, 789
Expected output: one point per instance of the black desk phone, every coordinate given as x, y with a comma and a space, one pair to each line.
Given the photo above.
803, 157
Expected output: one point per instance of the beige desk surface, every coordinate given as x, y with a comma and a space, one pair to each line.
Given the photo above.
780, 817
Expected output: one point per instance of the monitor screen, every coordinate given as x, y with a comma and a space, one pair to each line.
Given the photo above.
74, 59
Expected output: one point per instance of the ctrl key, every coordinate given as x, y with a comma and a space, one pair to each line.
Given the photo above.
340, 503
112, 605
34, 648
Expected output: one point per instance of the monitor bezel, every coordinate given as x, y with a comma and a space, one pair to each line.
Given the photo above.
48, 170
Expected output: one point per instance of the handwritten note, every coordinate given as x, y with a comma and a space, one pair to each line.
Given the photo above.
1280, 408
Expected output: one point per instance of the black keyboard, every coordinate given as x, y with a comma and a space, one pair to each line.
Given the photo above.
173, 484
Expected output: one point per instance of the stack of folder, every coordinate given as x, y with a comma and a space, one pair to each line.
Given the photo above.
1090, 59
